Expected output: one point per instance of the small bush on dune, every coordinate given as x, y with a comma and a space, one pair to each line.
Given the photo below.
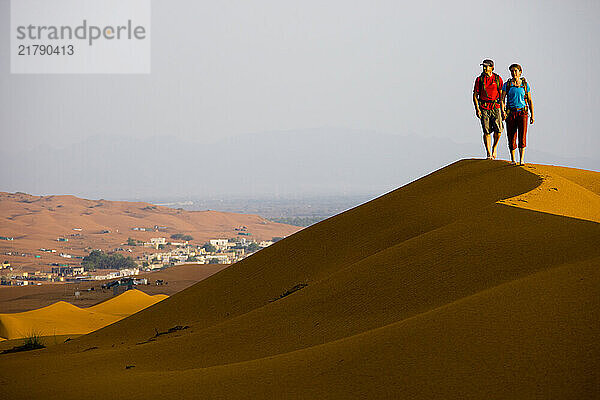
33, 341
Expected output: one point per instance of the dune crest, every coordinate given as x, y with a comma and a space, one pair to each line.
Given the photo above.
127, 303
476, 281
62, 318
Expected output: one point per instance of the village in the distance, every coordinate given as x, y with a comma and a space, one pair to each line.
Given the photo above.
159, 253
81, 254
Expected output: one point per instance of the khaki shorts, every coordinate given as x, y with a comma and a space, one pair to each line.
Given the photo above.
491, 121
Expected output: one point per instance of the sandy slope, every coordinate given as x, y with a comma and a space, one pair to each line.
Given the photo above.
477, 281
63, 318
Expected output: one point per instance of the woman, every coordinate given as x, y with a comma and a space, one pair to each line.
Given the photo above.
516, 95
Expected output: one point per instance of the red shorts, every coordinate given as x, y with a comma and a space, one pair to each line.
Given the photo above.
516, 122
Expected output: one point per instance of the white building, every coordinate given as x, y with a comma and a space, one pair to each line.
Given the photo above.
155, 242
219, 242
221, 258
118, 274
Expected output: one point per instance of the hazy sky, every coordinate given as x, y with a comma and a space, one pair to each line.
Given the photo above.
226, 68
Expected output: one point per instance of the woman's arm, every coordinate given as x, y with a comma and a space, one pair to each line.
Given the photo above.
503, 103
530, 104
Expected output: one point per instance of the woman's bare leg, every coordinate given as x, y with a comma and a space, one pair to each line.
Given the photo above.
522, 155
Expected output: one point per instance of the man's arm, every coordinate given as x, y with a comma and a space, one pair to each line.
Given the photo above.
503, 103
502, 98
476, 101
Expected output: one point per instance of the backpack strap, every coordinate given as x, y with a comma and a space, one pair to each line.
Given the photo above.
482, 85
525, 86
511, 82
498, 82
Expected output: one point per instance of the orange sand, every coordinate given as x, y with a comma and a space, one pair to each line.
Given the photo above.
479, 280
63, 318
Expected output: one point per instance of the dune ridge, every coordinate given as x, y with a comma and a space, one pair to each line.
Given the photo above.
477, 281
62, 318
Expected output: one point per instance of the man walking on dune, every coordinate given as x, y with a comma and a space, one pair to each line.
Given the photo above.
488, 106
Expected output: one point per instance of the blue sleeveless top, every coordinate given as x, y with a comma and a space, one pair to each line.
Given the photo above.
515, 97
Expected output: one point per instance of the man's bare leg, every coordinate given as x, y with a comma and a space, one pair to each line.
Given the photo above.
512, 157
486, 142
521, 155
495, 145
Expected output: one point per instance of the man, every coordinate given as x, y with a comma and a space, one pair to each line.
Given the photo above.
488, 106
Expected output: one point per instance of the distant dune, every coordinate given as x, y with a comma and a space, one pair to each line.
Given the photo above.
16, 299
38, 221
63, 318
479, 280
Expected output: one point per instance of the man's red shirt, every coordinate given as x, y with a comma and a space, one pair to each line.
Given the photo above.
491, 92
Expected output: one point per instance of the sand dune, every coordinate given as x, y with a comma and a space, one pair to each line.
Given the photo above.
63, 318
15, 299
127, 303
37, 221
477, 281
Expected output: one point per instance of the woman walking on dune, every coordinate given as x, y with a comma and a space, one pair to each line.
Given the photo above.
516, 94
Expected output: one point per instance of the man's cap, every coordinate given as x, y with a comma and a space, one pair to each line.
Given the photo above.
489, 63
